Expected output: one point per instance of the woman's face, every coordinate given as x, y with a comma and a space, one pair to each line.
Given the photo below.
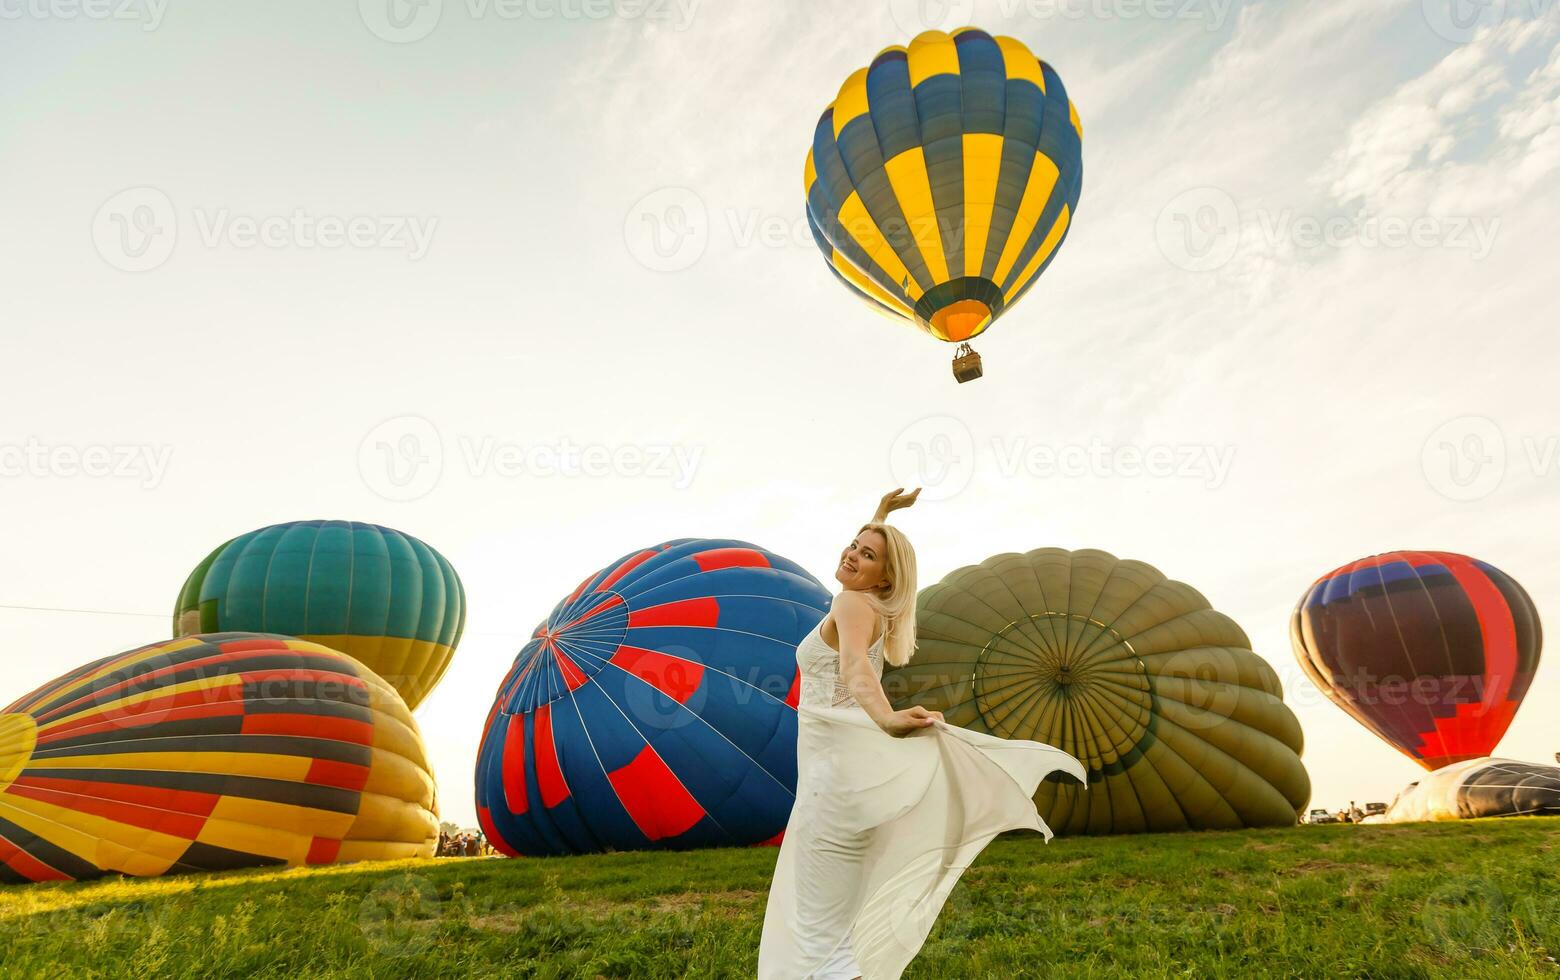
862, 563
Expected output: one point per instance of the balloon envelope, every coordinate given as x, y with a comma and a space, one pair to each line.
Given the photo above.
654, 708
943, 179
209, 753
1179, 724
379, 596
1432, 651
1479, 788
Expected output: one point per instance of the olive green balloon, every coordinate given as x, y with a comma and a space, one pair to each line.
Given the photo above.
1180, 725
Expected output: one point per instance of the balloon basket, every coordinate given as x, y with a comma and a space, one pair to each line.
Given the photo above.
966, 364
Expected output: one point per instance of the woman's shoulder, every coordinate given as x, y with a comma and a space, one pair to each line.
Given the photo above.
851, 601
852, 605
844, 595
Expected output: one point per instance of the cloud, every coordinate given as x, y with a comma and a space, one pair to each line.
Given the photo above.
1473, 134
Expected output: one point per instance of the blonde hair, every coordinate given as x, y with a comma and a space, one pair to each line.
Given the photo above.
897, 604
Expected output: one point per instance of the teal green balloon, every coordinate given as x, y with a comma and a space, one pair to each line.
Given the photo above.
378, 595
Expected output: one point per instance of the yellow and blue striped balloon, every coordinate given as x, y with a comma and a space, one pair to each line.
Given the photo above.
943, 178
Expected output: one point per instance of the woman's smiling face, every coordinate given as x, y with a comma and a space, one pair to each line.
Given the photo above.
862, 563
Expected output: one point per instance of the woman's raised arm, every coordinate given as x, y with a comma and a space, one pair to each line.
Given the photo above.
895, 499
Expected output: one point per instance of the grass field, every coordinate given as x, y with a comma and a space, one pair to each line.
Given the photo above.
1471, 899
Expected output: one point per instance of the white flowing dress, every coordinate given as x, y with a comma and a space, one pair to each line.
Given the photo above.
883, 827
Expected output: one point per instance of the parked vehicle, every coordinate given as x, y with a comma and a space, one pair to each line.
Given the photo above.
1321, 816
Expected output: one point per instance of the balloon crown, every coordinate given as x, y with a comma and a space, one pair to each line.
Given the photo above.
18, 736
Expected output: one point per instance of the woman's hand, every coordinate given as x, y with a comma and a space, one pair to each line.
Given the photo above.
895, 499
910, 720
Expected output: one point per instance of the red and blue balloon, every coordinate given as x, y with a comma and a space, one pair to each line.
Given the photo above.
1432, 651
655, 708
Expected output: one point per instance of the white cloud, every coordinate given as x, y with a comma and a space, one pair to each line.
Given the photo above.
1423, 148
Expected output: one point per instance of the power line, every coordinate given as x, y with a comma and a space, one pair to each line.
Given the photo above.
90, 612
142, 615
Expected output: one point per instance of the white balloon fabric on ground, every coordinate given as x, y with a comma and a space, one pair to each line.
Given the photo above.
1491, 787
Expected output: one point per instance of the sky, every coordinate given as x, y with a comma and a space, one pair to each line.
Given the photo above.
387, 261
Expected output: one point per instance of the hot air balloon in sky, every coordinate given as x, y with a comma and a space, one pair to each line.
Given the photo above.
1179, 724
654, 708
1432, 651
943, 179
209, 753
380, 596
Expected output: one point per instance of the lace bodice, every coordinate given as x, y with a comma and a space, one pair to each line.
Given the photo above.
822, 684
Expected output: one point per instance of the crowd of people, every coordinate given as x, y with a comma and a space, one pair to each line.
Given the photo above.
464, 844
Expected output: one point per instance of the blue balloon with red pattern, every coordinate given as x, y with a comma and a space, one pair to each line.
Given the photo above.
655, 708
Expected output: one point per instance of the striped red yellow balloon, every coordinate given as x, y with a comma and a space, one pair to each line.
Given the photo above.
207, 753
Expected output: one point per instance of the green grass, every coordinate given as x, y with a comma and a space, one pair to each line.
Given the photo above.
1470, 899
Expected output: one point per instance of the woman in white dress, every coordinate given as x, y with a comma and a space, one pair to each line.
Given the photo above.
891, 806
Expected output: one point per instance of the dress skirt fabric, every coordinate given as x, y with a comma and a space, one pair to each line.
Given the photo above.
881, 831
